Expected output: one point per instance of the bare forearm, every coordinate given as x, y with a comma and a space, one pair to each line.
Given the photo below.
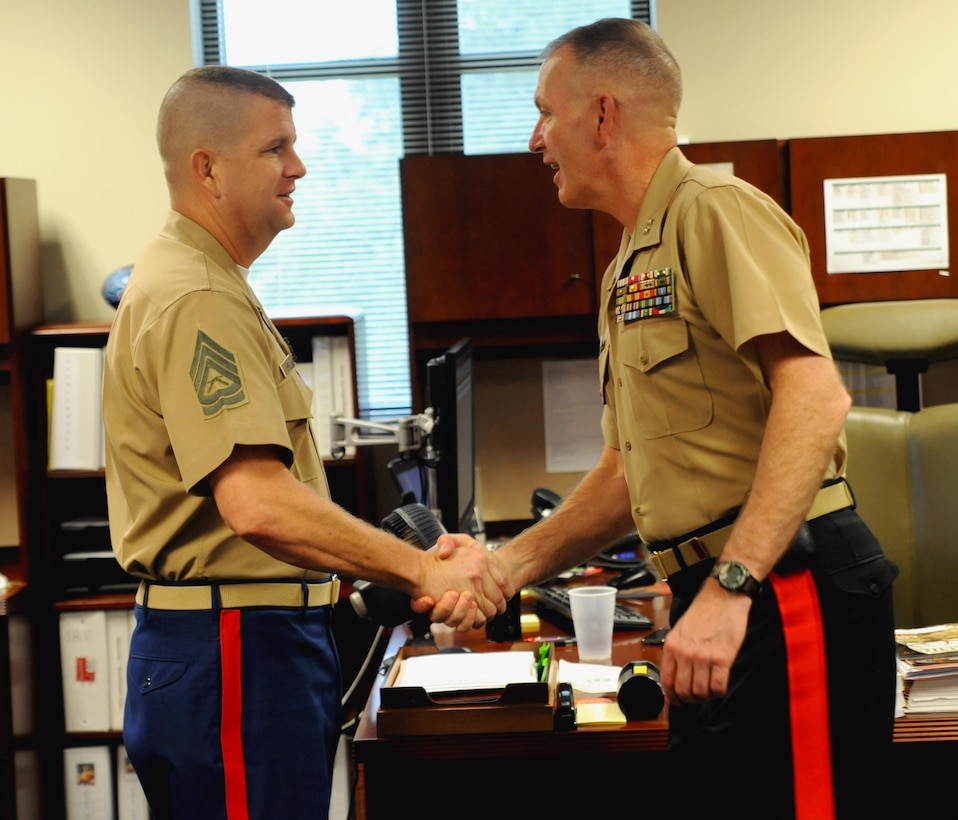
808, 410
266, 505
592, 516
299, 527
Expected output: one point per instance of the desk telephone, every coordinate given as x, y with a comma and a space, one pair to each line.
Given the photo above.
624, 555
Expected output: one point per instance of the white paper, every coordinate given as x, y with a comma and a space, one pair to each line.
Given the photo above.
590, 678
573, 415
466, 671
886, 224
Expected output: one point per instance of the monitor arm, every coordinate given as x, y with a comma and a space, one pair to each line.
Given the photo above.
409, 432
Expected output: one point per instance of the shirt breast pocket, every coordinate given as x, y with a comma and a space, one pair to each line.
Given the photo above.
662, 379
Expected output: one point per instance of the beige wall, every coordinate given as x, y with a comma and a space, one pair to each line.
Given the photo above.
808, 68
81, 83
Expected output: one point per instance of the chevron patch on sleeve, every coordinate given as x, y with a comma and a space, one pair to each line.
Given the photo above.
216, 376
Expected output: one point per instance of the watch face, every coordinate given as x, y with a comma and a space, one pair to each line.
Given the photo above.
733, 575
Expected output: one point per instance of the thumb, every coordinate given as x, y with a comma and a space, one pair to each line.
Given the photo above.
422, 605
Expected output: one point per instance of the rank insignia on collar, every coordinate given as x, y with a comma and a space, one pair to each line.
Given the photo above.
216, 376
644, 295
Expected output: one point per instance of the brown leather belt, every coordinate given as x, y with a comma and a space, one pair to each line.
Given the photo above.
234, 594
831, 498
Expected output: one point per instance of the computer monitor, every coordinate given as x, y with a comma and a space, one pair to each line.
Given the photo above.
450, 394
410, 476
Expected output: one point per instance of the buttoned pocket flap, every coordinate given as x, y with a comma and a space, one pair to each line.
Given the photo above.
149, 674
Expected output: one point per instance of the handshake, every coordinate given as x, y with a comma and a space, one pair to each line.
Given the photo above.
475, 587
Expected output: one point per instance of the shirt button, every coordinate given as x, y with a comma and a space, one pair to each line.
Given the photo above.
643, 358
628, 445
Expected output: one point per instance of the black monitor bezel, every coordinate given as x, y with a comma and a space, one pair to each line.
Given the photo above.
444, 375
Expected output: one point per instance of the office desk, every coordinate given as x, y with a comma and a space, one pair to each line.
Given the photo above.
614, 765
497, 770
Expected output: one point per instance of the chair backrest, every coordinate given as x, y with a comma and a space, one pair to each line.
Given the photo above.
933, 435
880, 474
903, 469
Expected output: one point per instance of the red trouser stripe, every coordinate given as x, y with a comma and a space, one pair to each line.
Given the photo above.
808, 694
231, 728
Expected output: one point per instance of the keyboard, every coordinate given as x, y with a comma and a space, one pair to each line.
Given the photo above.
552, 604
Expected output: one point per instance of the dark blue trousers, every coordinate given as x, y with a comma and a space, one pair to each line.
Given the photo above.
264, 752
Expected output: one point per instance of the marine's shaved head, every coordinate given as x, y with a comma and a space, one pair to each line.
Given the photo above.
202, 110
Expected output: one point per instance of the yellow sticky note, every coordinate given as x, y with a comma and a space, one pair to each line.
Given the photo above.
598, 710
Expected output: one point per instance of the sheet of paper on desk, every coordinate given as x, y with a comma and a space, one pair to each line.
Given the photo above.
589, 678
466, 671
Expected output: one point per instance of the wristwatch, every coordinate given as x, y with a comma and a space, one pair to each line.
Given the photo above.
734, 576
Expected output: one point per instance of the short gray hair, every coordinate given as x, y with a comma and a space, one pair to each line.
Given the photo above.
630, 48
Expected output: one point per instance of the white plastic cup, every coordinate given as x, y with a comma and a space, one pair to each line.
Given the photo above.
592, 611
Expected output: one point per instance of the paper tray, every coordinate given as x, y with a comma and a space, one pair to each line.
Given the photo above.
519, 707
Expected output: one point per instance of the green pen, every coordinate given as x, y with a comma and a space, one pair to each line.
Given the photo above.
543, 663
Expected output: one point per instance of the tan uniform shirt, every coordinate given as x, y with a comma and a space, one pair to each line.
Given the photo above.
193, 368
716, 263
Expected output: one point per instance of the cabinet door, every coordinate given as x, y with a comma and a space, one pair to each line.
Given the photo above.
486, 238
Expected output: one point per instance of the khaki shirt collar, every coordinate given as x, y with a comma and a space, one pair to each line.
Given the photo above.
647, 232
185, 230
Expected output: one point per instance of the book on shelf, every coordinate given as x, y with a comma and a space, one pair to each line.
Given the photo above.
94, 648
333, 383
119, 629
22, 678
88, 783
84, 667
927, 660
76, 415
26, 766
130, 801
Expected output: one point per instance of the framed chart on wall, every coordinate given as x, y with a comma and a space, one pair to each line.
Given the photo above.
878, 211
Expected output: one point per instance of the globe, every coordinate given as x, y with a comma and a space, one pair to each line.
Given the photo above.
115, 284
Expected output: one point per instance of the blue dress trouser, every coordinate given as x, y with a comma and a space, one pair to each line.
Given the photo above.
270, 753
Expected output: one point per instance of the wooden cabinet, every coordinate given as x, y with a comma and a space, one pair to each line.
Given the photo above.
21, 307
492, 254
66, 497
759, 162
486, 238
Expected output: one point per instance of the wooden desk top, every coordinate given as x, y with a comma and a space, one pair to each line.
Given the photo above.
633, 736
650, 735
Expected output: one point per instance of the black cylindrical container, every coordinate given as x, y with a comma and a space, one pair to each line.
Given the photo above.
640, 692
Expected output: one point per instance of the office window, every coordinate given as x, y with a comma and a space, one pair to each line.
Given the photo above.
375, 80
